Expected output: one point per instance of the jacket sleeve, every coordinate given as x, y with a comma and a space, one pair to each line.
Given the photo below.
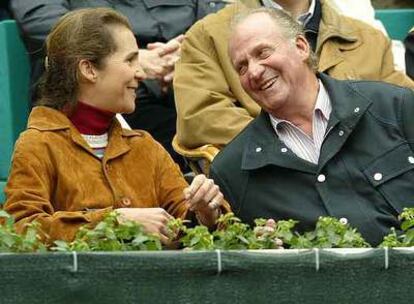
219, 180
170, 184
29, 192
389, 73
36, 17
207, 112
170, 187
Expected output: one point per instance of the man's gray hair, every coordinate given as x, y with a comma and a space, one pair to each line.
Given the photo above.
289, 27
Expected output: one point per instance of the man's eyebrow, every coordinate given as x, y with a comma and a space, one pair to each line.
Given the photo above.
261, 46
239, 63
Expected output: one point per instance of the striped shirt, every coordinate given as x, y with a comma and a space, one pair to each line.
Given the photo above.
299, 142
98, 143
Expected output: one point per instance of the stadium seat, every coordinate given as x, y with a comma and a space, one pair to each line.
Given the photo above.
2, 185
14, 93
397, 22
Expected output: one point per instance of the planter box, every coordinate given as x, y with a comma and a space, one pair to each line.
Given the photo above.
278, 276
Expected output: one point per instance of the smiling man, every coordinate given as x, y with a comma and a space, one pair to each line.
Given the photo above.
320, 146
212, 107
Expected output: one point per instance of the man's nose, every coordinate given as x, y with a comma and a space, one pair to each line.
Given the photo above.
255, 70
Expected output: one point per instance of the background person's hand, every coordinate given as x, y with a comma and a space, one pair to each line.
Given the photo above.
154, 66
154, 220
173, 46
170, 53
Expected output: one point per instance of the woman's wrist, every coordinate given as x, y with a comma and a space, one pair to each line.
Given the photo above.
208, 217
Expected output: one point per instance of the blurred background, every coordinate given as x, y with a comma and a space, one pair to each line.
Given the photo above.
392, 3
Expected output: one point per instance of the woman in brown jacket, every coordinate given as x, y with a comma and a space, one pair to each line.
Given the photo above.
75, 162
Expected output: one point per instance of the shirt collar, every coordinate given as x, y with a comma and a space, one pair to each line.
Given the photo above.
323, 104
303, 18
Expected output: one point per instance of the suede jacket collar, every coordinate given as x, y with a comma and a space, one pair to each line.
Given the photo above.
46, 119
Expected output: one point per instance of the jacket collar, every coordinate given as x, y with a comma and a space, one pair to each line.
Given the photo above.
263, 146
348, 102
48, 119
334, 27
331, 25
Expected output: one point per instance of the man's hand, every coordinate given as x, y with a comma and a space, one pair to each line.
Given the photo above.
154, 220
268, 230
205, 199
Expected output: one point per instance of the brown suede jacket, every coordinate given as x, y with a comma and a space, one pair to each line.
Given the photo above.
56, 179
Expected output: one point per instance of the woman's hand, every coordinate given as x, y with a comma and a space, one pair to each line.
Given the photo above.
205, 199
154, 220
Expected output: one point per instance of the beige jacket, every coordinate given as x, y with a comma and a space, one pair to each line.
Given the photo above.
211, 105
56, 179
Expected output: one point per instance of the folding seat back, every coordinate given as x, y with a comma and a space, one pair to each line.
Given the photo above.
14, 93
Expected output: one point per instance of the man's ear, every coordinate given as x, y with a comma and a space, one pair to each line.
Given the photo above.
303, 47
87, 71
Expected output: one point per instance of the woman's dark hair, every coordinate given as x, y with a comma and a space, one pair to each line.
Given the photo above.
82, 34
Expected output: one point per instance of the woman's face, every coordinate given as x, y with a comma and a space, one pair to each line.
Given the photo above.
117, 82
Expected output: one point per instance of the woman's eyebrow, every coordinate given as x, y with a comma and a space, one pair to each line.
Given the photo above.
132, 54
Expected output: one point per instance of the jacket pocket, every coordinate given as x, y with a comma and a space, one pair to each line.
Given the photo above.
154, 3
392, 174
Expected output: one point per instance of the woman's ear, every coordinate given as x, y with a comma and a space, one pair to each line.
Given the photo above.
87, 70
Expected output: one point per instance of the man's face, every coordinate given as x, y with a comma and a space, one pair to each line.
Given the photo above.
270, 67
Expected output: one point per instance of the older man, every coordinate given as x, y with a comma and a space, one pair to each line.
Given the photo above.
320, 147
212, 107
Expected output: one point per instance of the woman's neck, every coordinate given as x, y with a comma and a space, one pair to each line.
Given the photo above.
91, 120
